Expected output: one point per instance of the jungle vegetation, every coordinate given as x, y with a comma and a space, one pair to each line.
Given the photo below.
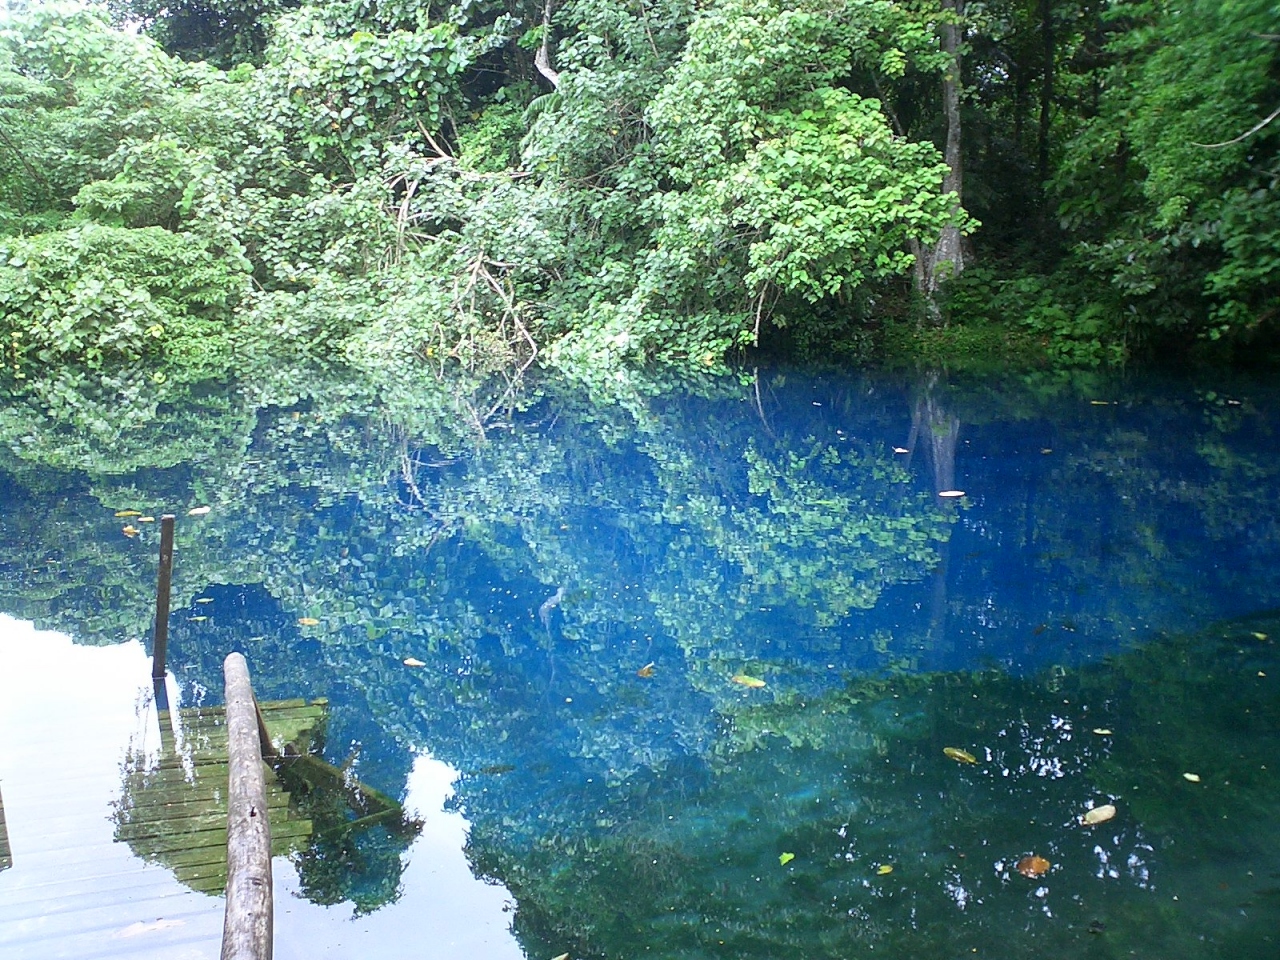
590, 185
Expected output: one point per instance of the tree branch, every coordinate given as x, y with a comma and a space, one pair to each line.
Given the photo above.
542, 59
1244, 136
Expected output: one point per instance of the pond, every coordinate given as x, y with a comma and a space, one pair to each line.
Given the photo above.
781, 663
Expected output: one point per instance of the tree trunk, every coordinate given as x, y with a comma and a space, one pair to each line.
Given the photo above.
946, 259
1046, 88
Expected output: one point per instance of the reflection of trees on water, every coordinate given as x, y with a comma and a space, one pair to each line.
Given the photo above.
940, 430
740, 530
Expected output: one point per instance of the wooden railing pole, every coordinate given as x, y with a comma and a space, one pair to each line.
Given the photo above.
246, 928
161, 642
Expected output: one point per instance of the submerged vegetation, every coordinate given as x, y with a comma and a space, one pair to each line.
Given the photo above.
590, 185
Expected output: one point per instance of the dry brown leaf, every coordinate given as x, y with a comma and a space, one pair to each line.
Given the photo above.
1033, 866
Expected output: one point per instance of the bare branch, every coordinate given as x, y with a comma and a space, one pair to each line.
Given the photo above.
1244, 136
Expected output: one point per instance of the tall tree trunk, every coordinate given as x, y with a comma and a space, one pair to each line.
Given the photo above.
946, 259
1046, 87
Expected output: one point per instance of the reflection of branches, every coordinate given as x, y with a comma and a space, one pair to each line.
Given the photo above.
410, 464
755, 379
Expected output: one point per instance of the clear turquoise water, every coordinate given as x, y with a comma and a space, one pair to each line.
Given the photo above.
584, 573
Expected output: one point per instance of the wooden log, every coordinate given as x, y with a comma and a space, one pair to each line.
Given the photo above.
159, 645
247, 923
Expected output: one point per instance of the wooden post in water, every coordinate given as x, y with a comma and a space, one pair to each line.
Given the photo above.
246, 927
159, 646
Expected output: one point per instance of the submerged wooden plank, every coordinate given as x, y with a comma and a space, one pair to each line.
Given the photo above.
6, 854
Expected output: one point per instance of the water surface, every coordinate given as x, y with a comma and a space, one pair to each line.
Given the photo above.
691, 653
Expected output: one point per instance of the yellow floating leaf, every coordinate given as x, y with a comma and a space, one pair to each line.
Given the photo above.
785, 858
960, 756
198, 511
1259, 636
1193, 777
884, 869
951, 493
563, 956
1033, 866
1102, 731
197, 619
413, 662
1100, 403
130, 530
128, 513
1098, 815
308, 622
204, 599
146, 519
646, 671
746, 681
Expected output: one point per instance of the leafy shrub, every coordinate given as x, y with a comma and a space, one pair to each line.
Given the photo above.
97, 293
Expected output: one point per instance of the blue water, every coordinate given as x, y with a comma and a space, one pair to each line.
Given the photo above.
584, 573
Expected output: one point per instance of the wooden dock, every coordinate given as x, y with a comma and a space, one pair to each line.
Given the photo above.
116, 838
174, 812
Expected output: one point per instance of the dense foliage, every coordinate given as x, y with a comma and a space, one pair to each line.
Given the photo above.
593, 184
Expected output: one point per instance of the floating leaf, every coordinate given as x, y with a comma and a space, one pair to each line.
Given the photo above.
1193, 777
308, 622
413, 662
563, 956
1033, 866
884, 869
198, 511
901, 450
197, 619
1098, 815
128, 513
785, 858
146, 519
951, 493
1259, 636
646, 671
204, 599
746, 681
1102, 731
1100, 403
1046, 449
130, 530
960, 756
